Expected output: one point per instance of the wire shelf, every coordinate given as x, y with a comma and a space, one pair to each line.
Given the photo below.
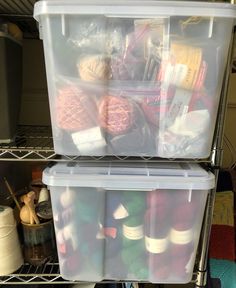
31, 143
17, 7
49, 273
28, 274
35, 143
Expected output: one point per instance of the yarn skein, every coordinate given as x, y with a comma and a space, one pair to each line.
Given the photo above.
133, 252
10, 251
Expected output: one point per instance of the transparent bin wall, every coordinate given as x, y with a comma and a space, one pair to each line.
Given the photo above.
135, 87
78, 214
127, 235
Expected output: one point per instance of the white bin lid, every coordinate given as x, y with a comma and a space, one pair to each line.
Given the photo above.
133, 8
129, 176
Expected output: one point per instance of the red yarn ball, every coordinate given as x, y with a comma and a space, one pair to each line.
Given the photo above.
116, 114
75, 111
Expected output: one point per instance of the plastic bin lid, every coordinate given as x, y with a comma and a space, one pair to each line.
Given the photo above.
134, 8
129, 176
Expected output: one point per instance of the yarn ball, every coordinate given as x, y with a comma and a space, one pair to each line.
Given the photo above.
94, 68
75, 110
116, 114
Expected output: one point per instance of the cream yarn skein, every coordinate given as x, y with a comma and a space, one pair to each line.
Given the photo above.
10, 250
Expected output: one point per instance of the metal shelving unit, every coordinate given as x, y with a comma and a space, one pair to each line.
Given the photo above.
36, 144
28, 274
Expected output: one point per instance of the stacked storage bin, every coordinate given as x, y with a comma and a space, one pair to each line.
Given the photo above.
128, 222
132, 78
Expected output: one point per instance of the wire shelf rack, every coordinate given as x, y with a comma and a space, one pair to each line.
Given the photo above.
48, 273
35, 143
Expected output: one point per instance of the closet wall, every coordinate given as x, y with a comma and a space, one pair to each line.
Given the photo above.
34, 104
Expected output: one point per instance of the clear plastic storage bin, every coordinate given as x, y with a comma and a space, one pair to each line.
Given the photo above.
136, 78
128, 222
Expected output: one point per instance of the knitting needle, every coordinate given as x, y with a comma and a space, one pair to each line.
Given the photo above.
12, 193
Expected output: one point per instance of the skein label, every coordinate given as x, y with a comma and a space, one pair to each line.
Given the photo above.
181, 237
155, 245
133, 233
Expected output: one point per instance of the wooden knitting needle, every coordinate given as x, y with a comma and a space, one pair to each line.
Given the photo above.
12, 193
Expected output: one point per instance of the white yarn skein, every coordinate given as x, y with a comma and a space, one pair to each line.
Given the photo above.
10, 250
